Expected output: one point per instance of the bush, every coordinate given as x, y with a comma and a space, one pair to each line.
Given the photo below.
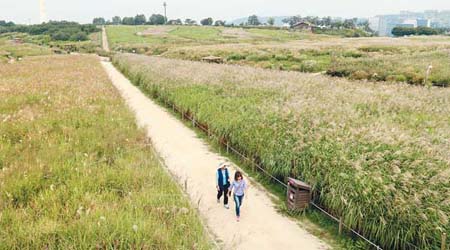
309, 66
80, 36
236, 57
352, 54
360, 75
257, 58
60, 36
296, 68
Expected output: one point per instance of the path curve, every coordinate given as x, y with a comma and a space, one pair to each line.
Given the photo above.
188, 158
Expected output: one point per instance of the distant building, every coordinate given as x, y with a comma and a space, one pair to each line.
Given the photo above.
306, 26
410, 23
423, 22
384, 24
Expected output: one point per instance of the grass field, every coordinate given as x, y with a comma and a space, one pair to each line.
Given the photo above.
375, 154
75, 172
372, 59
159, 39
9, 49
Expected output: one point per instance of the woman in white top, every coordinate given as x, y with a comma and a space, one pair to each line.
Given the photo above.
239, 186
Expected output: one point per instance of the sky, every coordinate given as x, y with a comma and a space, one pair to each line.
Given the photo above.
27, 11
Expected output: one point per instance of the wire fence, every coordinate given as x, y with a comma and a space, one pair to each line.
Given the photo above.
206, 130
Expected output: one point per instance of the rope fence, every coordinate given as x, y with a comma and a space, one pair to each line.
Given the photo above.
195, 123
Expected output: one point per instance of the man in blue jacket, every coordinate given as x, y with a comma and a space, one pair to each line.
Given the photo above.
223, 183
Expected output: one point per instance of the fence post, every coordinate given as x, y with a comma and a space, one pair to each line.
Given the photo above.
185, 185
443, 240
228, 148
193, 121
340, 226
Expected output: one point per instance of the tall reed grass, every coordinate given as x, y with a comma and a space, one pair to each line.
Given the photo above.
375, 154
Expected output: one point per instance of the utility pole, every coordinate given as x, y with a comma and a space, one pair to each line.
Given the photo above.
165, 13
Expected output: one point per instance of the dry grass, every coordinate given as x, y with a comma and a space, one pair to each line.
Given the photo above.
75, 172
376, 153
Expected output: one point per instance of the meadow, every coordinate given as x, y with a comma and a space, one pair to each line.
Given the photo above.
155, 40
375, 153
75, 171
372, 59
10, 50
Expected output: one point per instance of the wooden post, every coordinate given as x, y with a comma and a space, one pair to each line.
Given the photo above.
193, 121
228, 148
340, 225
185, 185
443, 241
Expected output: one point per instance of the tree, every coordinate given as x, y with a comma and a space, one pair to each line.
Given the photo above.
140, 19
128, 21
175, 22
207, 21
349, 24
403, 31
6, 24
80, 36
219, 23
189, 21
116, 20
271, 21
253, 20
99, 21
157, 19
327, 21
292, 20
60, 36
427, 31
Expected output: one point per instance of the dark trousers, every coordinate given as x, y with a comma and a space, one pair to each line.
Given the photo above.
223, 191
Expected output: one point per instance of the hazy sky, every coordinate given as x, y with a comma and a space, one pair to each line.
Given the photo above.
25, 11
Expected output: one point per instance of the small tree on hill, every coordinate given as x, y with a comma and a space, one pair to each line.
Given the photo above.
157, 19
271, 21
253, 20
207, 21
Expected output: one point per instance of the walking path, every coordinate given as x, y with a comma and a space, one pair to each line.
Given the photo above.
105, 44
189, 158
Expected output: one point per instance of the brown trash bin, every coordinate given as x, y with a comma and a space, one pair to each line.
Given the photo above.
298, 194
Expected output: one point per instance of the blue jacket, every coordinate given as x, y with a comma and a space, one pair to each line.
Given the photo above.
220, 178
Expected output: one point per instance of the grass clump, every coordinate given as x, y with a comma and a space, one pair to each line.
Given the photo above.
75, 171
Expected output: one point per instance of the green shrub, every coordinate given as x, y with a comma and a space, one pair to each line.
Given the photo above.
236, 57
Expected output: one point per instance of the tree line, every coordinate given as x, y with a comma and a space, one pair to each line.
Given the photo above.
154, 19
420, 31
56, 30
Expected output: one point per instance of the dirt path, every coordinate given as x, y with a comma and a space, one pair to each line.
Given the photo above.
105, 44
189, 158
